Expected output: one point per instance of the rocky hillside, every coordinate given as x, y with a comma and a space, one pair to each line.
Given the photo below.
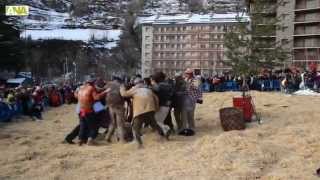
181, 6
89, 19
107, 14
51, 14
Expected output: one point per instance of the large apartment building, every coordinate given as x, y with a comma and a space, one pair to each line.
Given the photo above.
299, 31
173, 43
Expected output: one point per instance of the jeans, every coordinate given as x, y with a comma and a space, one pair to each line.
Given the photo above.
102, 121
117, 122
160, 116
88, 127
144, 118
73, 134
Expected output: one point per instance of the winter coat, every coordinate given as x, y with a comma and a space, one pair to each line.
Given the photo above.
114, 98
143, 99
164, 91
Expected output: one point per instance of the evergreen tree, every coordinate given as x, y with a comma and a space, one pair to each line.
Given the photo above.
252, 45
10, 45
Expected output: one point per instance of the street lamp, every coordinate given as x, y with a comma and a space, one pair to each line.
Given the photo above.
75, 71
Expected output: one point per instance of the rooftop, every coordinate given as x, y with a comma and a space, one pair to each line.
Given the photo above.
192, 18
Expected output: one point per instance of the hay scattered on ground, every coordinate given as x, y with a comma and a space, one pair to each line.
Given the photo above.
285, 146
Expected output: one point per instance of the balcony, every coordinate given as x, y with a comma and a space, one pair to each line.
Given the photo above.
309, 34
302, 31
312, 18
307, 55
307, 5
307, 45
188, 50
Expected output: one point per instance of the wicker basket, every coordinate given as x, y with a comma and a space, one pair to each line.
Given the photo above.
232, 119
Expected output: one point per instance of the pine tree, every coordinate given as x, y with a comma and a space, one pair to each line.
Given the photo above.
10, 45
250, 46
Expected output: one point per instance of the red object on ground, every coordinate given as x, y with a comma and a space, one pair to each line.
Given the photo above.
244, 103
55, 99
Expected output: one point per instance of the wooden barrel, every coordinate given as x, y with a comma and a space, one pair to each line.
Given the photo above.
232, 119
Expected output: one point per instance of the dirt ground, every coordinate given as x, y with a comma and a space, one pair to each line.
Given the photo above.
285, 146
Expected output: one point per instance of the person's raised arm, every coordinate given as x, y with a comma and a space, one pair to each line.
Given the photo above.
127, 93
97, 96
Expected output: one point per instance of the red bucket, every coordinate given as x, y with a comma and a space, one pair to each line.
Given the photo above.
244, 103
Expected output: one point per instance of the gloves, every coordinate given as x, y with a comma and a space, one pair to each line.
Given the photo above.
199, 101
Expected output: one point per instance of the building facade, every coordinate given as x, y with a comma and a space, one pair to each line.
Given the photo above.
172, 44
299, 28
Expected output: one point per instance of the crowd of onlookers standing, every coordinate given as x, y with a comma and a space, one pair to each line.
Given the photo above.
287, 81
18, 101
32, 101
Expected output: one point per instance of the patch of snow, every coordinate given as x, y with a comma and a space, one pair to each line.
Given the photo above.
16, 80
190, 18
306, 92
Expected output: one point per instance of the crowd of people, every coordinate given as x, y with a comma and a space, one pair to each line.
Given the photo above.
287, 80
123, 106
134, 105
18, 101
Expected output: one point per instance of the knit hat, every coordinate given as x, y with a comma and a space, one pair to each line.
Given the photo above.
188, 71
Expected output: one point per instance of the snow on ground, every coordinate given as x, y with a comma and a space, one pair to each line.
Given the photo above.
306, 92
72, 34
190, 18
165, 6
48, 19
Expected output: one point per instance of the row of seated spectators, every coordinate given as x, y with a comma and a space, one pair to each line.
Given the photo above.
15, 102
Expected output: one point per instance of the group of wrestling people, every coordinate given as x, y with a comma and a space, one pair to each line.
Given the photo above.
150, 104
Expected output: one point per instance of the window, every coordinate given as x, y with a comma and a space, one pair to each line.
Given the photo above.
284, 41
